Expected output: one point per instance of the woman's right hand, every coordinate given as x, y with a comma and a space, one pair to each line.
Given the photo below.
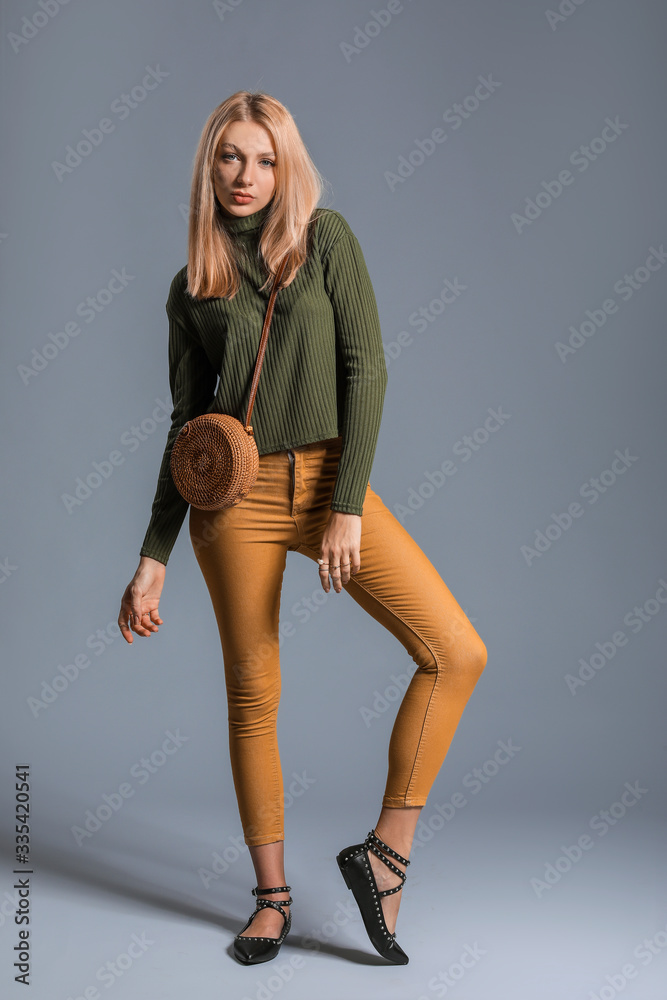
139, 605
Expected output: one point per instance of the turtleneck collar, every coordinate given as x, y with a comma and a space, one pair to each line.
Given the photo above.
244, 223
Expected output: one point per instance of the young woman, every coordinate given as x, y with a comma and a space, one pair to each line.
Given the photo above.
316, 421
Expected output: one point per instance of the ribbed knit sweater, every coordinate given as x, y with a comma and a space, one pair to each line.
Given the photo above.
324, 373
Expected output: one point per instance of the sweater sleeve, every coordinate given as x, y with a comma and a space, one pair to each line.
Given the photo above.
359, 338
192, 383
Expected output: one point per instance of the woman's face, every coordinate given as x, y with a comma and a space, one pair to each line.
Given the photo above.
245, 162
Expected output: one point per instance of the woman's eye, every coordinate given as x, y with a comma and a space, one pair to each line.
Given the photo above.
226, 156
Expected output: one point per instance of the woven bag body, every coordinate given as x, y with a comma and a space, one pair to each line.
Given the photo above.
214, 461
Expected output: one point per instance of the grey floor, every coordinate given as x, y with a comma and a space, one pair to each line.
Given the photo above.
127, 914
470, 920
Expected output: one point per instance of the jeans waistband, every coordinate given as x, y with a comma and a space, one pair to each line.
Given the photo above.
317, 445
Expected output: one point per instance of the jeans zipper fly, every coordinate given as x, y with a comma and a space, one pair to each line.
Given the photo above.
290, 455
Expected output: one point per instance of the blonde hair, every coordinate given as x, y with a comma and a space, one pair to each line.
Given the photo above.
212, 269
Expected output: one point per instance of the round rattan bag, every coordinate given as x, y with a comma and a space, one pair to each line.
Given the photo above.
214, 459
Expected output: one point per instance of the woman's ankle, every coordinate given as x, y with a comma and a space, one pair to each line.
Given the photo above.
396, 827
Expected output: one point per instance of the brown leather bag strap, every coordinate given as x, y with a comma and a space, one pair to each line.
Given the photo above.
262, 343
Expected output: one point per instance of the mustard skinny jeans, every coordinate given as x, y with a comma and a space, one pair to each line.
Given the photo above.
242, 553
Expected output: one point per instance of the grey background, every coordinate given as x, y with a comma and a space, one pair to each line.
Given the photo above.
64, 573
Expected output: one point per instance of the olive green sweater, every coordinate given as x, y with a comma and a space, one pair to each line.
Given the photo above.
324, 372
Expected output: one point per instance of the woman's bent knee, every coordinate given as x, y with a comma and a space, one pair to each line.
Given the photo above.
480, 655
468, 655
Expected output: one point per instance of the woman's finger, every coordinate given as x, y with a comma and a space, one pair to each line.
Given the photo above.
136, 621
123, 623
345, 565
323, 569
335, 570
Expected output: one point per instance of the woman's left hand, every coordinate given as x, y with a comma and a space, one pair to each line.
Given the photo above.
339, 551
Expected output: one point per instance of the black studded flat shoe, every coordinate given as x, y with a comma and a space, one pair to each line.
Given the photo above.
252, 950
356, 869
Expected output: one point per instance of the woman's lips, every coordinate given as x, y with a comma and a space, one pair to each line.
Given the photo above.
242, 199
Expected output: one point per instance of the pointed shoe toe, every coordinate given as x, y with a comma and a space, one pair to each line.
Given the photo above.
355, 868
250, 949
